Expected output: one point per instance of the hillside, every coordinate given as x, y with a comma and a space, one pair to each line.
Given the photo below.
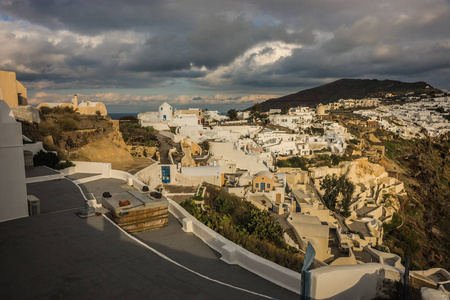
83, 138
345, 89
421, 228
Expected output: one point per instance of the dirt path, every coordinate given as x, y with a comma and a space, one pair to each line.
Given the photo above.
165, 145
132, 166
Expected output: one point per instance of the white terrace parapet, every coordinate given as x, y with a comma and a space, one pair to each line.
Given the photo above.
386, 258
234, 254
352, 281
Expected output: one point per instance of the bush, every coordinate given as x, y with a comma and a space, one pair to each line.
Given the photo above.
68, 124
48, 128
245, 225
205, 145
48, 159
293, 162
45, 110
135, 134
63, 165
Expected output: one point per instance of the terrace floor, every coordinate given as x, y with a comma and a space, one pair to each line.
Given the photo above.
57, 255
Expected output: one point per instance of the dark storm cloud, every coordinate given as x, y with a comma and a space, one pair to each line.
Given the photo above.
115, 43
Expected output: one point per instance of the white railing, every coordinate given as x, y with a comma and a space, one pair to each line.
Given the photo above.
235, 254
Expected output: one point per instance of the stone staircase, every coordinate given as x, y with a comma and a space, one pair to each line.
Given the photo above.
291, 234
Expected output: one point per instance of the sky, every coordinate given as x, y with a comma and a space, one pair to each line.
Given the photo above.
134, 55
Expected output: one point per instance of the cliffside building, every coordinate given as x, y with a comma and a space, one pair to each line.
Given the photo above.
12, 91
13, 198
85, 108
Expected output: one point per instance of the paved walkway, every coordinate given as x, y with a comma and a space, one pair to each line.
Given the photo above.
58, 255
56, 195
39, 171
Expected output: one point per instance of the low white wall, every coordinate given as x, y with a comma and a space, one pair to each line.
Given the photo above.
44, 178
150, 175
89, 167
34, 147
234, 254
187, 180
351, 282
381, 256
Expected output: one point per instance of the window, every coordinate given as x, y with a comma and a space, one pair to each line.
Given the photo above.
268, 185
256, 185
161, 108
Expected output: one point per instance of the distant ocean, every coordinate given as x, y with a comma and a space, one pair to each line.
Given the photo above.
117, 116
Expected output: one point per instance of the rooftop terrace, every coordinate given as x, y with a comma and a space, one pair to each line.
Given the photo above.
59, 255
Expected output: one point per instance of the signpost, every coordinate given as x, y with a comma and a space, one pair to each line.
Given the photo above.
308, 264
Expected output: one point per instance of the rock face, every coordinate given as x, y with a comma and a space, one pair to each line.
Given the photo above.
95, 139
101, 150
361, 170
26, 113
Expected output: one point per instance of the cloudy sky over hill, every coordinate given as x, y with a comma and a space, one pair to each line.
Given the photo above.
218, 54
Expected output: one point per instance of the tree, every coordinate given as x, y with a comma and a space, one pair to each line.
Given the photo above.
335, 187
232, 114
206, 114
285, 109
255, 112
346, 189
329, 184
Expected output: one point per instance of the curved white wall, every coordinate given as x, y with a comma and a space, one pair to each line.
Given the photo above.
13, 196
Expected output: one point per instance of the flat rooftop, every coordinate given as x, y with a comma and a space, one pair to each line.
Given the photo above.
59, 255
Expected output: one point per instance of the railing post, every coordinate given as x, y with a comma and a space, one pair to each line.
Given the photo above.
406, 279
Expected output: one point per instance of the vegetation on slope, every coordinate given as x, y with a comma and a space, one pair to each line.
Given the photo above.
421, 228
63, 130
135, 134
244, 224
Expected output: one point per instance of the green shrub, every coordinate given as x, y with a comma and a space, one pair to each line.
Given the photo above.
245, 225
48, 159
65, 164
293, 162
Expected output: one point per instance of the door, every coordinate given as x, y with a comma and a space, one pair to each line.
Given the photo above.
165, 174
263, 187
278, 198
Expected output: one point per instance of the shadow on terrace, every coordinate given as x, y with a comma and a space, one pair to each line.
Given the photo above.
59, 255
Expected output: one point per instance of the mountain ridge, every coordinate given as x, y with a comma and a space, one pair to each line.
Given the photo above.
348, 88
